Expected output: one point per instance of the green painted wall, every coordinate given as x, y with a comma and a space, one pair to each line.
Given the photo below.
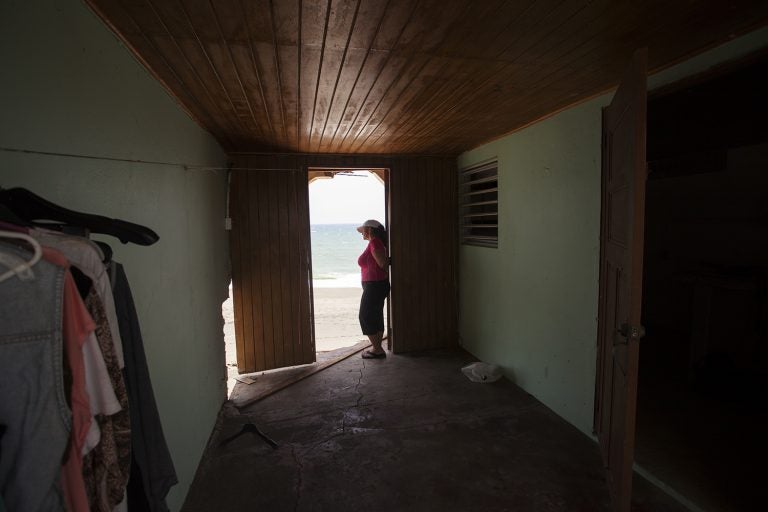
68, 86
531, 304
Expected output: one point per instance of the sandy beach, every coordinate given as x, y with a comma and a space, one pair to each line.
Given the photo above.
336, 323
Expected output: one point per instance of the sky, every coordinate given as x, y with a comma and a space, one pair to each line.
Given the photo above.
346, 199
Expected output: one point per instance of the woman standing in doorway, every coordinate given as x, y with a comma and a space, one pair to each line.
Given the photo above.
375, 276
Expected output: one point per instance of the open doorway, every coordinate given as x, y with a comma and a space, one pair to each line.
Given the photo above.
270, 248
702, 408
339, 202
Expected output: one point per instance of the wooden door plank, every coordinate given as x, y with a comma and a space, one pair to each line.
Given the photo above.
294, 349
395, 252
384, 175
273, 249
305, 284
250, 318
254, 330
236, 211
261, 193
433, 251
286, 284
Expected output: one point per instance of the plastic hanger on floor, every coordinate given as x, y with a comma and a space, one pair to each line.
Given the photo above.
250, 427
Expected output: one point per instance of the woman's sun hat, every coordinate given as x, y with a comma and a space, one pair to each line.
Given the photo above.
370, 223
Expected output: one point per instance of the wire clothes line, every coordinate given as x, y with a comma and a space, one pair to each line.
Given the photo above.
191, 167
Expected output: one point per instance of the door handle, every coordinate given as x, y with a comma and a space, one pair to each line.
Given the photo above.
636, 332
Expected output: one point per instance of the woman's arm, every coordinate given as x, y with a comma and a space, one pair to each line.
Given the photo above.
380, 255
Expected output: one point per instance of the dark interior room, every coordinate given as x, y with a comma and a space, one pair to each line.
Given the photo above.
702, 407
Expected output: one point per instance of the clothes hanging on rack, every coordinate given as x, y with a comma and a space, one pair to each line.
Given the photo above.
77, 325
81, 362
108, 465
88, 257
33, 404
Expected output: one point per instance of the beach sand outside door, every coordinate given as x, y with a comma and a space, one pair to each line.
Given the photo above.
271, 268
621, 274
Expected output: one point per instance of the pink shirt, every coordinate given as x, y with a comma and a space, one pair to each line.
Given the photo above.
371, 271
77, 325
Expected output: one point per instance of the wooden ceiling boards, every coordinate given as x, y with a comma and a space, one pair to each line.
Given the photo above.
433, 77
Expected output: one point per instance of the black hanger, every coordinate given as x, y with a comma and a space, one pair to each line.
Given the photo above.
106, 249
33, 208
6, 215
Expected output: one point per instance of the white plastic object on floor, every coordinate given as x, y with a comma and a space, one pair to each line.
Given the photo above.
482, 372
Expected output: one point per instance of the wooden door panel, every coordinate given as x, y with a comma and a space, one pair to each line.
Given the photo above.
621, 253
271, 269
423, 248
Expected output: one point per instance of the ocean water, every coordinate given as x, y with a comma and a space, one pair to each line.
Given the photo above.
335, 249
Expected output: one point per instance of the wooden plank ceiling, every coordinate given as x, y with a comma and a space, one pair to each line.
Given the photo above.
402, 76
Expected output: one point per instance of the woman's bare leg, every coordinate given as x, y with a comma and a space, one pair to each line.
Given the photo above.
376, 342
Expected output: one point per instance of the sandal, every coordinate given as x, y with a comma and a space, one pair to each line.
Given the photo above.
373, 355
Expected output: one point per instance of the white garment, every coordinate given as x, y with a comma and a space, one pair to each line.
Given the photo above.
101, 394
87, 256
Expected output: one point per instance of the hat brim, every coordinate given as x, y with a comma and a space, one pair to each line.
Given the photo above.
361, 228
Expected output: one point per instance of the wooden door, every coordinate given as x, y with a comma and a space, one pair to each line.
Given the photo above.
621, 273
271, 269
423, 247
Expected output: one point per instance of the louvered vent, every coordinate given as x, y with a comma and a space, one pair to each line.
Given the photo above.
479, 204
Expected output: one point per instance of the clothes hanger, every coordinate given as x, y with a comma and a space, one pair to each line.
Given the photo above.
33, 208
250, 427
105, 249
27, 265
7, 215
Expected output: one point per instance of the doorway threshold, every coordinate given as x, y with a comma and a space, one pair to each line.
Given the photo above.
252, 387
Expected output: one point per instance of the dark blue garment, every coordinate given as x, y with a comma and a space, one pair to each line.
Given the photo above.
152, 471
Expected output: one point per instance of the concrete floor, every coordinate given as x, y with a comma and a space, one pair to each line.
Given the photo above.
409, 433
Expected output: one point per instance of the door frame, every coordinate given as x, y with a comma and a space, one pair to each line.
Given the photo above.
422, 198
384, 174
